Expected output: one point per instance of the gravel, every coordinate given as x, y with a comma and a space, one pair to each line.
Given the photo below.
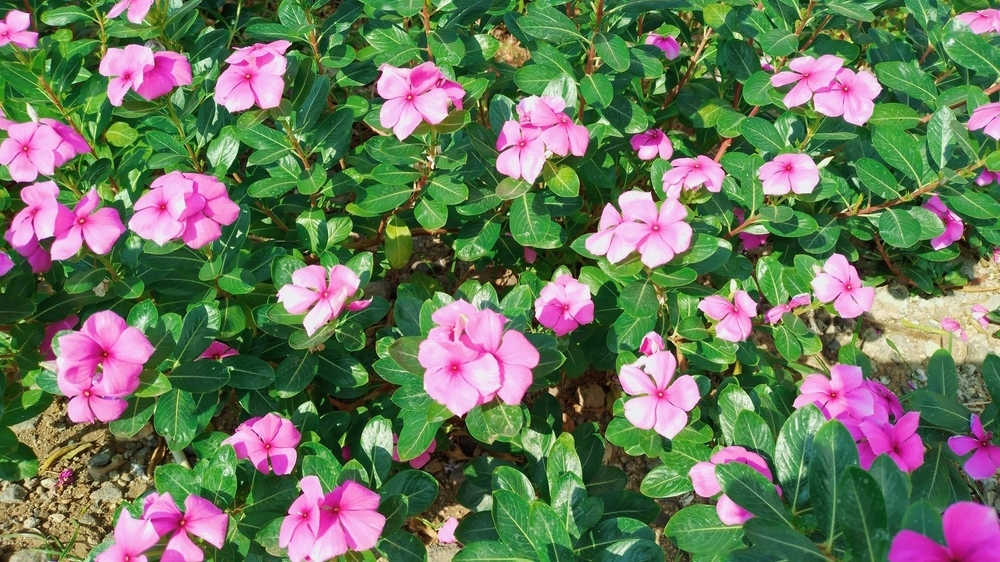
14, 493
108, 492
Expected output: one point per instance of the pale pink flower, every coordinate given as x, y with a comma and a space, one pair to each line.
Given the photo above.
733, 318
600, 242
840, 284
50, 332
204, 224
843, 395
101, 229
981, 22
987, 118
795, 173
651, 343
985, 460
774, 315
89, 400
14, 29
29, 151
564, 305
411, 96
217, 350
6, 264
885, 402
899, 441
851, 95
953, 225
257, 80
706, 483
547, 105
986, 178
522, 151
979, 313
302, 525
104, 341
450, 320
200, 518
665, 43
657, 404
71, 142
137, 9
168, 71
971, 530
310, 289
558, 132
954, 327
270, 438
750, 241
809, 75
349, 520
125, 67
418, 461
651, 144
133, 537
446, 534
658, 235
457, 376
274, 48
40, 219
689, 173
454, 91
161, 214
514, 354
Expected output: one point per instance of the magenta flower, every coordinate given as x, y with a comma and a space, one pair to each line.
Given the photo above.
217, 350
161, 214
885, 402
259, 80
125, 67
457, 376
899, 441
954, 327
270, 438
985, 117
309, 289
953, 225
349, 520
986, 459
657, 404
651, 343
750, 241
667, 44
558, 132
14, 29
200, 518
809, 75
50, 332
274, 49
37, 256
843, 395
979, 313
651, 144
133, 537
514, 354
522, 151
204, 222
101, 229
105, 341
850, 95
40, 219
981, 22
446, 534
416, 462
302, 525
564, 305
706, 484
29, 151
168, 71
411, 96
689, 173
840, 284
137, 9
795, 173
774, 315
89, 400
71, 142
971, 530
657, 235
6, 264
733, 318
986, 178
530, 255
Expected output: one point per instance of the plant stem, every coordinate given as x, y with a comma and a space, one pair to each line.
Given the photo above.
908, 197
426, 13
690, 71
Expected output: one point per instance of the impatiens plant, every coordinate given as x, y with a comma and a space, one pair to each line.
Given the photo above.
381, 231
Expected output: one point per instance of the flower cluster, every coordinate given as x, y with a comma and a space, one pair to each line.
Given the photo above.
38, 147
470, 359
255, 76
542, 128
657, 234
100, 365
415, 95
985, 459
659, 401
269, 442
321, 526
150, 74
835, 91
564, 305
193, 207
706, 484
311, 288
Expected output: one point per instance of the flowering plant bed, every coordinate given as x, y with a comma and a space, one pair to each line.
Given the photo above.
208, 203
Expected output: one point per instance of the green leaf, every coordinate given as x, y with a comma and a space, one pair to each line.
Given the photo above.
752, 491
782, 541
178, 481
120, 134
778, 43
175, 418
563, 182
740, 59
698, 530
376, 449
972, 204
530, 223
861, 516
398, 242
833, 451
199, 376
770, 280
938, 480
895, 486
991, 375
627, 331
941, 411
941, 136
732, 401
550, 533
295, 373
908, 79
793, 452
248, 372
752, 432
942, 376
448, 189
850, 9
199, 330
597, 90
477, 238
925, 519
879, 180
639, 299
900, 150
136, 415
972, 51
402, 546
898, 228
487, 551
218, 481
613, 51
762, 134
549, 24
511, 515
14, 308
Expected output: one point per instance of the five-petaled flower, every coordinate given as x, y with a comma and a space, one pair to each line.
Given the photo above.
842, 396
564, 304
953, 225
706, 484
789, 173
690, 173
14, 29
840, 284
809, 75
656, 403
987, 118
733, 319
269, 442
971, 532
985, 457
324, 291
651, 144
200, 518
671, 49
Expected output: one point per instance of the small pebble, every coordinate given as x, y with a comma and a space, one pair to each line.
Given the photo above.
49, 483
14, 493
57, 518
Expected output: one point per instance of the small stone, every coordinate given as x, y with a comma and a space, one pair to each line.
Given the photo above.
591, 395
25, 425
31, 522
107, 492
103, 458
28, 556
87, 520
15, 493
49, 483
30, 483
57, 518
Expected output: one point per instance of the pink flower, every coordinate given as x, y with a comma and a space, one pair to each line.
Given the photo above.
89, 400
50, 332
274, 49
564, 305
125, 67
101, 229
899, 441
667, 44
689, 173
750, 241
29, 150
161, 214
706, 484
514, 354
658, 404
200, 518
981, 22
411, 96
168, 71
851, 95
450, 320
37, 256
420, 460
522, 151
985, 117
979, 313
954, 327
984, 461
546, 105
259, 80
133, 537
789, 173
953, 225
302, 525
270, 438
972, 532
105, 341
457, 376
71, 145
530, 255
651, 343
651, 144
446, 534
996, 255
349, 520
843, 395
217, 350
558, 132
14, 29
809, 75
600, 243
137, 9
6, 264
40, 219
734, 324
885, 402
840, 284
657, 235
774, 315
454, 91
987, 177
204, 222
309, 289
